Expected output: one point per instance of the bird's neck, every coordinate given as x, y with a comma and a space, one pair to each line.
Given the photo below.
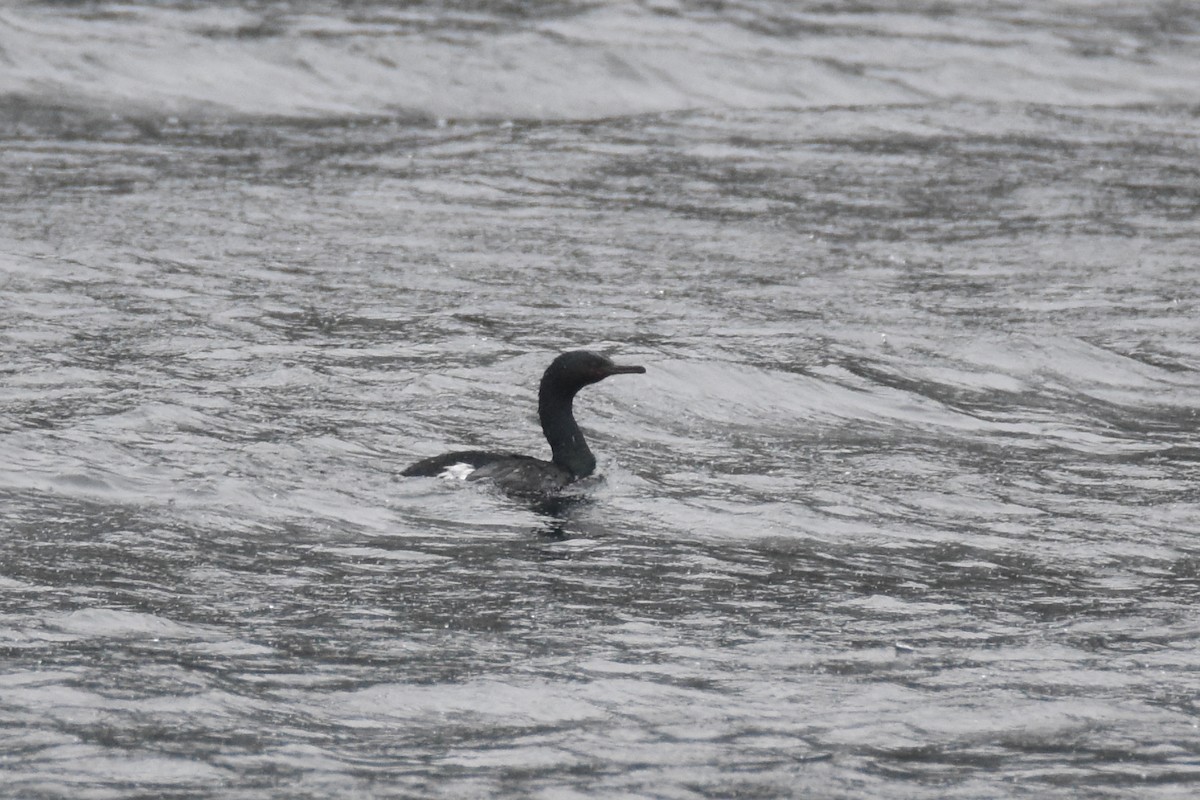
562, 432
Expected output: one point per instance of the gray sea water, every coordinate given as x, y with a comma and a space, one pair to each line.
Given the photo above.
905, 506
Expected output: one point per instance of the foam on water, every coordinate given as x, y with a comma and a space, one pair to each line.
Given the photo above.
584, 61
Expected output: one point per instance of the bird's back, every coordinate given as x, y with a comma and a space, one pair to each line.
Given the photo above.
514, 474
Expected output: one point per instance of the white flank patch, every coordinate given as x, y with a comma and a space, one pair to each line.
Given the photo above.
456, 472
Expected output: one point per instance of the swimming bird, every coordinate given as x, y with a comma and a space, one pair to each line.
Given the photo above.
571, 459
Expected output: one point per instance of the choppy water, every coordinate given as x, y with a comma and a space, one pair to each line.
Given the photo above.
905, 506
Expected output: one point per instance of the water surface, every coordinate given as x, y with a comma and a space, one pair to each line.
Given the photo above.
904, 506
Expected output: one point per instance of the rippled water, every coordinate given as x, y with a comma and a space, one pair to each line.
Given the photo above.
904, 506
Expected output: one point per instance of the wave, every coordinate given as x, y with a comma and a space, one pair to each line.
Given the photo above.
584, 61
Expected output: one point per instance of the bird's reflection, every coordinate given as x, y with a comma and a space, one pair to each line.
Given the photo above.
555, 513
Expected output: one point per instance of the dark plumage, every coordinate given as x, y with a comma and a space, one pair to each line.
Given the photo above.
571, 460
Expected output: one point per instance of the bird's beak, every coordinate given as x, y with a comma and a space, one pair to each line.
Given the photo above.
626, 369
